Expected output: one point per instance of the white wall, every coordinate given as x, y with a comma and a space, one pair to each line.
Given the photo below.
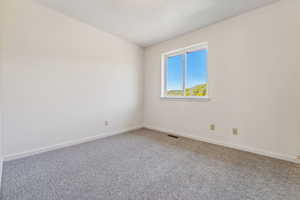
1, 142
1, 96
62, 79
253, 79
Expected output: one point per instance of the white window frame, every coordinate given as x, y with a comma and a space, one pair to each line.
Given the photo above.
164, 65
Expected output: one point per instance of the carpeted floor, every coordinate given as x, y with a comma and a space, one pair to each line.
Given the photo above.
149, 165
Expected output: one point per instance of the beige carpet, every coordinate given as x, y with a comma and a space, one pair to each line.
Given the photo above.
149, 165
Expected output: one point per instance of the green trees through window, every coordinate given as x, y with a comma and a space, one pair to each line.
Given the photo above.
186, 74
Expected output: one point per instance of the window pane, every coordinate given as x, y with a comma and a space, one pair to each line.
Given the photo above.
196, 83
175, 76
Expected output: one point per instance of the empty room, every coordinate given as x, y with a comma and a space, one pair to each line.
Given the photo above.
149, 100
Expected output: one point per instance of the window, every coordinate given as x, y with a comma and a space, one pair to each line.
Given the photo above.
185, 73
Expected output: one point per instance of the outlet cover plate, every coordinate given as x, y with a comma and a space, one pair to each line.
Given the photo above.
235, 131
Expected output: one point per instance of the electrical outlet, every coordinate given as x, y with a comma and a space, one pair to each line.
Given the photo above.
106, 123
235, 131
212, 127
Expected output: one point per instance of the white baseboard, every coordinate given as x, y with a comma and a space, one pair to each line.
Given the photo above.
234, 146
1, 167
92, 138
66, 144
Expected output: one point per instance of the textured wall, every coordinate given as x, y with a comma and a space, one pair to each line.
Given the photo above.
62, 79
253, 80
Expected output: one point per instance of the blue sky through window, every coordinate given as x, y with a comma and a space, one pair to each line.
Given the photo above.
175, 73
196, 70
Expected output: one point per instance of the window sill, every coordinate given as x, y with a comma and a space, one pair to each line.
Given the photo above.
199, 99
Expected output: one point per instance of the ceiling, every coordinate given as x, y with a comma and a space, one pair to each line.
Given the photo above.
147, 22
